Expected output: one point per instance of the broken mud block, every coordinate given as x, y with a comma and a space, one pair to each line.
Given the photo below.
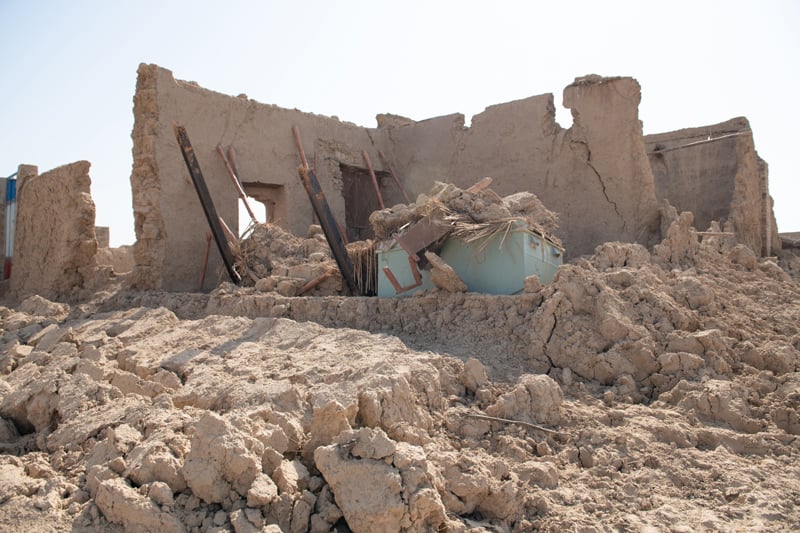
396, 489
535, 399
443, 275
211, 479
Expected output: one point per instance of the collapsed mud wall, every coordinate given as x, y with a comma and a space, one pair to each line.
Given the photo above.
170, 225
55, 246
594, 174
715, 172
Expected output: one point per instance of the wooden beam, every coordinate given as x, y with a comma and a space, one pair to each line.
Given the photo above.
236, 183
314, 282
299, 144
330, 227
374, 178
704, 141
205, 200
205, 261
715, 233
478, 187
388, 165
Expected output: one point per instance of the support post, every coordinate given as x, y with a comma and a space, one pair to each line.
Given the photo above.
205, 200
374, 178
329, 227
236, 183
388, 165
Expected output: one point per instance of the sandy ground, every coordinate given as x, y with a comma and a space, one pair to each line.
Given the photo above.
657, 391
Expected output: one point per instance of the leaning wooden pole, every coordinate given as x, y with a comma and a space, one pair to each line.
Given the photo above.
237, 185
330, 228
374, 178
299, 144
205, 261
389, 166
233, 161
205, 200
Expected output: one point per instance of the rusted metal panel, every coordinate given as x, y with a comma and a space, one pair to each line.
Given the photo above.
422, 234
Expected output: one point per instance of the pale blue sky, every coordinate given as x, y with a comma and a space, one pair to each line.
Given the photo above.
68, 69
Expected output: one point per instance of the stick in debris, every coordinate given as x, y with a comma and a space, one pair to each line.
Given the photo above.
388, 165
235, 179
509, 421
478, 187
374, 178
314, 282
236, 250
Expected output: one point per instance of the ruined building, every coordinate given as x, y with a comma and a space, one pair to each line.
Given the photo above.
602, 176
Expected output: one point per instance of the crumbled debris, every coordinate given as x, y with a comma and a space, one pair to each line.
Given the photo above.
468, 212
287, 264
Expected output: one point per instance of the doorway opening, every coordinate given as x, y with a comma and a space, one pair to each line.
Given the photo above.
360, 199
273, 199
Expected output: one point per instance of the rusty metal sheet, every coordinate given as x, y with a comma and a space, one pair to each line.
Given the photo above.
422, 234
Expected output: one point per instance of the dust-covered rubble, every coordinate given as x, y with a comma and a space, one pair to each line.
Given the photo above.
637, 391
468, 207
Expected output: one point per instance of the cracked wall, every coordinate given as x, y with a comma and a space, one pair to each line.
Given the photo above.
596, 174
715, 172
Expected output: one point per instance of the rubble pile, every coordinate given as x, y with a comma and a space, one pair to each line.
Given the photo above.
656, 391
468, 210
281, 262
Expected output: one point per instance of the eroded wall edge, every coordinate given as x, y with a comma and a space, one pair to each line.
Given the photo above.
55, 245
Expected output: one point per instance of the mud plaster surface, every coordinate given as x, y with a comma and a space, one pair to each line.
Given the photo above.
652, 389
596, 174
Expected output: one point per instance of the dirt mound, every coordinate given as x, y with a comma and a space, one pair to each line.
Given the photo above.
651, 391
273, 259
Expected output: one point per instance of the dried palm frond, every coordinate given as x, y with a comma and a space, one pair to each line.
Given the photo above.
365, 264
471, 232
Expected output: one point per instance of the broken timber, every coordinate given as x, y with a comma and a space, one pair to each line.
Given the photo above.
373, 177
388, 165
236, 183
205, 200
330, 227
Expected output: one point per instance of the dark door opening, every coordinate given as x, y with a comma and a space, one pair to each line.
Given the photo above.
360, 199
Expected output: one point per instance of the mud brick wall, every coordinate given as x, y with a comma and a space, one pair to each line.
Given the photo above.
54, 247
595, 174
170, 226
714, 171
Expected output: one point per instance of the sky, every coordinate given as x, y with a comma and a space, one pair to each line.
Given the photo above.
68, 69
